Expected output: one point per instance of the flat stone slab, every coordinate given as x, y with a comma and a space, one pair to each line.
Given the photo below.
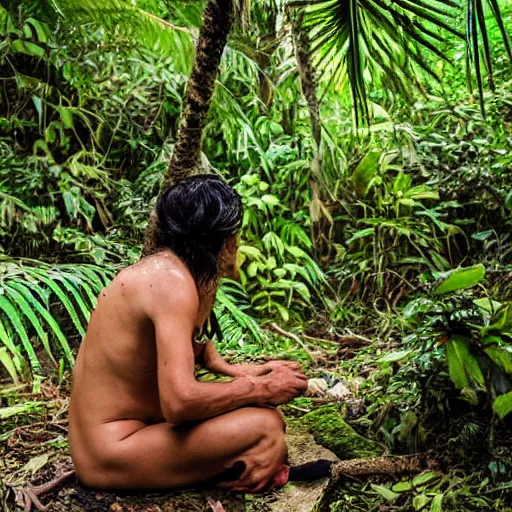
301, 496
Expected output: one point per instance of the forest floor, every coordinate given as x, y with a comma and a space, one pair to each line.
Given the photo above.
34, 450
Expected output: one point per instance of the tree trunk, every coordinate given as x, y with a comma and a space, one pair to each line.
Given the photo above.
186, 159
217, 22
307, 75
320, 218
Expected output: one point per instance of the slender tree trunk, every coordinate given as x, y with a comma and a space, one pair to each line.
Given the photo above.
309, 88
307, 75
218, 20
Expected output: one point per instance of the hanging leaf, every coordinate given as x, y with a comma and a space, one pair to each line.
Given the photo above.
502, 406
364, 172
463, 366
461, 279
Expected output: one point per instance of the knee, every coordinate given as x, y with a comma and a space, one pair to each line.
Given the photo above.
274, 421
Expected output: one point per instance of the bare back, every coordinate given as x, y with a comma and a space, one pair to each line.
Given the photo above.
115, 377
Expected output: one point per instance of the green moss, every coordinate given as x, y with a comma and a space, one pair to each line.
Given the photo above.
329, 429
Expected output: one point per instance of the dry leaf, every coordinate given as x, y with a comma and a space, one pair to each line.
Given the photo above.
339, 391
317, 387
35, 464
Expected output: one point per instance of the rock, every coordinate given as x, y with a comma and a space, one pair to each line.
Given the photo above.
301, 496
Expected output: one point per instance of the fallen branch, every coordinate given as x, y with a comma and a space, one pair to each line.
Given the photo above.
293, 337
385, 465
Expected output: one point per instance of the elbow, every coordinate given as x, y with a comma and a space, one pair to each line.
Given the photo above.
182, 405
175, 411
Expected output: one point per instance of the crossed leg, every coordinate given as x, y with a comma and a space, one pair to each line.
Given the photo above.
162, 456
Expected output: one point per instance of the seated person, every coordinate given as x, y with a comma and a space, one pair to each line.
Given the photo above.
138, 417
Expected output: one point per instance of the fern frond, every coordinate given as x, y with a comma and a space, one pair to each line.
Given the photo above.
230, 308
27, 289
123, 16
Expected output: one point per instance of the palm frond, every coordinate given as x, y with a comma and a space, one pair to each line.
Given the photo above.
29, 292
361, 40
476, 29
236, 324
126, 18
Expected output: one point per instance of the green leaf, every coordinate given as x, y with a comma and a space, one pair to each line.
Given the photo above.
25, 308
502, 357
487, 305
363, 233
386, 493
55, 288
394, 357
437, 503
420, 501
463, 366
46, 315
27, 48
402, 486
22, 408
8, 364
15, 319
501, 322
461, 279
503, 405
364, 172
424, 478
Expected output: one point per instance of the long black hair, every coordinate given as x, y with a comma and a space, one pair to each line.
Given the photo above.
195, 217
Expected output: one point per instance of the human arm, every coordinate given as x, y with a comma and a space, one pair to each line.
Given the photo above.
182, 398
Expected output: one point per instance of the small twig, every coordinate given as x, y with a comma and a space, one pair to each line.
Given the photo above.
321, 340
293, 337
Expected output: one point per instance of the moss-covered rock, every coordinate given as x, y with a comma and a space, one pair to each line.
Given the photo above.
330, 430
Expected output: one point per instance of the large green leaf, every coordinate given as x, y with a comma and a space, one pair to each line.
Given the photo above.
24, 306
502, 357
14, 316
461, 279
463, 366
364, 172
502, 406
47, 316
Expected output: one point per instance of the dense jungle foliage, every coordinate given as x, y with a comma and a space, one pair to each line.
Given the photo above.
371, 144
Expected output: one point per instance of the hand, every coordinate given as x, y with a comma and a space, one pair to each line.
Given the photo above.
283, 382
257, 370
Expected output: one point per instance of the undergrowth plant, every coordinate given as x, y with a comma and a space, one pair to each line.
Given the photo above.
35, 298
475, 333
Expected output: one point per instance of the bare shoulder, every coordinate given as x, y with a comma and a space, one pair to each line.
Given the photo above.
160, 280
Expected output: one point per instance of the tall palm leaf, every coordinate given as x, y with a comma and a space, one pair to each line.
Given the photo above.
363, 40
